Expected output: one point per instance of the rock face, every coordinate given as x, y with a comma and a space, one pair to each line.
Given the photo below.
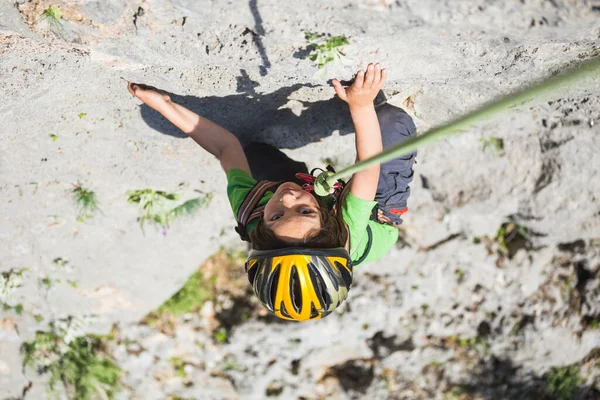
493, 290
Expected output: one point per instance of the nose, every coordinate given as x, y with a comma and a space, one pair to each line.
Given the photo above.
288, 198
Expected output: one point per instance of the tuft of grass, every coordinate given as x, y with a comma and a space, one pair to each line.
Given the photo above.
81, 365
53, 137
85, 202
53, 16
160, 208
563, 381
493, 142
233, 365
81, 115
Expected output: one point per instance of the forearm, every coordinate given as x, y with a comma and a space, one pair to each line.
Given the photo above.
368, 132
209, 135
368, 143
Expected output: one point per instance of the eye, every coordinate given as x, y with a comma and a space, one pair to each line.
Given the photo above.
275, 217
305, 211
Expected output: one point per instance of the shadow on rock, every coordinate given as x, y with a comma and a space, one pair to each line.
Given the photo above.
262, 117
499, 379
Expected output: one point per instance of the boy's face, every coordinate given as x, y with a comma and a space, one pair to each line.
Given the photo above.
292, 213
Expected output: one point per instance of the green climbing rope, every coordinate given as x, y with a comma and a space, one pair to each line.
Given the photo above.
323, 184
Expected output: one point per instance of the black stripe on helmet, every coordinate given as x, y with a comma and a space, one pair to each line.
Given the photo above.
319, 285
252, 272
270, 290
346, 276
296, 289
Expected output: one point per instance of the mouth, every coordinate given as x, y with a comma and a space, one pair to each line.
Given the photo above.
286, 187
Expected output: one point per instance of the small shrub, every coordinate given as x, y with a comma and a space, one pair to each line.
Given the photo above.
563, 381
325, 49
160, 208
81, 365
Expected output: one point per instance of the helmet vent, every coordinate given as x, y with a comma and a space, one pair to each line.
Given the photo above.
296, 290
319, 285
346, 276
252, 274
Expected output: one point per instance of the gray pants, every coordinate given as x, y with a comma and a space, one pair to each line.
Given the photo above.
395, 176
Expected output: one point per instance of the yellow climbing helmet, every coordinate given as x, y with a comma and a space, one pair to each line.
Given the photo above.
300, 284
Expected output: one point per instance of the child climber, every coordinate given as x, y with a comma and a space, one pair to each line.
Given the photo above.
304, 247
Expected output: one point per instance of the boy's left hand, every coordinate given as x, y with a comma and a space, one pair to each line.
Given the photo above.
365, 87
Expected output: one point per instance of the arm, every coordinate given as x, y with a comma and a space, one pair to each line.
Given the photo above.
360, 98
211, 137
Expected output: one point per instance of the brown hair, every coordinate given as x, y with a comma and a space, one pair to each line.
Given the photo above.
333, 233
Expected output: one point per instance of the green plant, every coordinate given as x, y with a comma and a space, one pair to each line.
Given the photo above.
53, 137
460, 274
52, 15
85, 203
160, 208
221, 336
10, 282
80, 364
60, 262
81, 115
179, 366
563, 381
496, 143
47, 282
508, 232
325, 49
233, 365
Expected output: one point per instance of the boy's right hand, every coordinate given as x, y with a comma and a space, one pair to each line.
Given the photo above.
148, 94
365, 87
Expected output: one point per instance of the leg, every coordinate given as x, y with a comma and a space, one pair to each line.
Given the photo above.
393, 188
271, 164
